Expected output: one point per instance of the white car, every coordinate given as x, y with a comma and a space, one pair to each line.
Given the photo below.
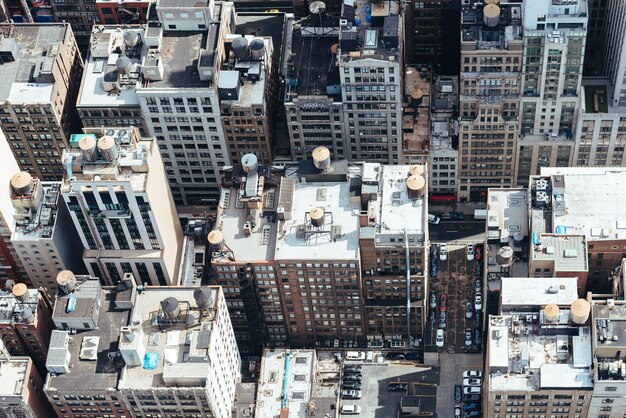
472, 390
433, 219
457, 412
443, 252
477, 374
439, 340
470, 252
471, 381
478, 302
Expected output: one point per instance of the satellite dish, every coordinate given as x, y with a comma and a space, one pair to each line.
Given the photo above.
317, 7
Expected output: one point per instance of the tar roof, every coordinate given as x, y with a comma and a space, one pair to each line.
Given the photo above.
264, 24
102, 374
33, 43
313, 64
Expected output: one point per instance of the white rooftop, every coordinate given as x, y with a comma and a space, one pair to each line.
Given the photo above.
565, 376
538, 291
286, 376
13, 372
584, 188
398, 210
508, 212
29, 93
334, 198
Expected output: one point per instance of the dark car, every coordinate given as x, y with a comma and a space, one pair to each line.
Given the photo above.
457, 393
471, 406
396, 387
395, 356
471, 414
433, 299
433, 315
478, 338
352, 368
351, 385
478, 252
471, 398
433, 268
414, 356
479, 270
352, 378
457, 215
443, 302
468, 337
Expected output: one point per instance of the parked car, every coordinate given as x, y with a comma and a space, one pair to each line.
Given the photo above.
352, 368
457, 393
469, 310
478, 338
443, 302
479, 270
439, 339
433, 267
432, 219
479, 285
471, 414
443, 252
442, 320
457, 412
477, 374
433, 316
471, 406
471, 398
350, 409
351, 385
478, 302
472, 390
478, 252
468, 337
351, 378
433, 299
471, 381
396, 387
395, 356
457, 215
470, 252
414, 356
351, 394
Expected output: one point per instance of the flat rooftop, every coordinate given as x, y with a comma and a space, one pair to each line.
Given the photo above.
610, 324
596, 98
337, 239
507, 213
13, 372
33, 44
175, 344
264, 24
583, 188
525, 357
569, 252
12, 311
398, 210
103, 373
517, 291
44, 218
286, 380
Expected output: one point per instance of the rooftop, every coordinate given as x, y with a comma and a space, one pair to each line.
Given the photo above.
17, 312
286, 382
573, 195
505, 27
596, 98
337, 235
193, 254
537, 291
103, 372
399, 210
181, 345
569, 252
507, 214
527, 354
42, 217
610, 323
13, 372
29, 79
416, 115
126, 160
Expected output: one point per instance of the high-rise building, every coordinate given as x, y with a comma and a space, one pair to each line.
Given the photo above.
106, 358
80, 14
21, 392
536, 151
432, 34
370, 55
117, 195
565, 201
358, 224
313, 88
538, 359
11, 269
491, 63
197, 354
123, 12
41, 71
25, 324
44, 237
596, 30
554, 49
614, 51
416, 144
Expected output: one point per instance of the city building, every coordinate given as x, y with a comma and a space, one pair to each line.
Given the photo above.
432, 34
11, 269
613, 58
313, 103
416, 124
116, 191
596, 28
44, 235
84, 361
539, 350
195, 252
600, 127
352, 219
123, 12
393, 238
370, 57
25, 324
443, 162
21, 391
490, 86
565, 201
178, 349
536, 151
80, 14
554, 49
609, 340
41, 69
